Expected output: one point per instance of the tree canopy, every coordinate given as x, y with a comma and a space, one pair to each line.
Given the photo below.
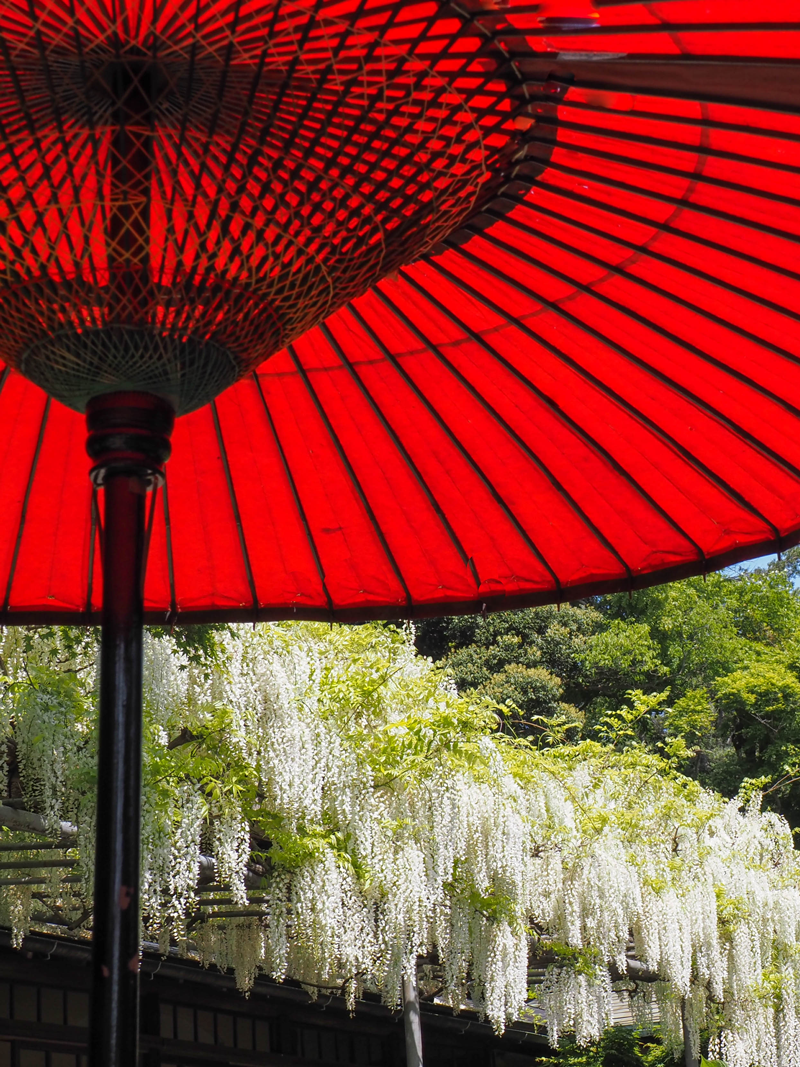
722, 653
323, 804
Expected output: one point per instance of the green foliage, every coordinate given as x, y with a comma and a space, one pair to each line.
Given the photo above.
720, 657
706, 628
760, 705
528, 692
622, 656
624, 726
532, 659
621, 1047
692, 717
198, 643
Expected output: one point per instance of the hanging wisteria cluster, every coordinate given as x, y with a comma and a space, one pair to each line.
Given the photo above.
320, 804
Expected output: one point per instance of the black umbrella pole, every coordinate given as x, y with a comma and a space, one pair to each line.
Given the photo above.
129, 441
115, 979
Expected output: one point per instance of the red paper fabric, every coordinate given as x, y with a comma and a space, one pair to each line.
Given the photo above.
598, 391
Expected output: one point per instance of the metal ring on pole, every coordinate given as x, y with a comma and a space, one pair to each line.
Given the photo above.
129, 434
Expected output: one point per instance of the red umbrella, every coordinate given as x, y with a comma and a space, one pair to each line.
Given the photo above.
461, 306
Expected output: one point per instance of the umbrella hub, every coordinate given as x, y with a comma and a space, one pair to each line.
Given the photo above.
129, 434
132, 82
75, 365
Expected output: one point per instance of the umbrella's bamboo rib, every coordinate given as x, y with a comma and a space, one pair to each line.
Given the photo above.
93, 533
222, 192
491, 238
173, 600
148, 534
24, 512
643, 250
520, 442
681, 390
672, 119
613, 395
212, 126
666, 227
453, 438
268, 126
578, 429
445, 9
446, 44
494, 601
4, 377
78, 43
651, 167
66, 154
345, 459
445, 52
184, 124
26, 249
163, 8
295, 494
704, 151
627, 275
401, 448
99, 525
664, 28
758, 447
344, 142
655, 93
41, 155
675, 201
235, 507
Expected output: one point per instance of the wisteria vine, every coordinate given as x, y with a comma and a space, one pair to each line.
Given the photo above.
362, 816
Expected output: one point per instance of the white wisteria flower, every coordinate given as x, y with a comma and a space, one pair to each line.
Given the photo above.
321, 804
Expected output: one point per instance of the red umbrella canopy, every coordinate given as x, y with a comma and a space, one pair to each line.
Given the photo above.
505, 296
